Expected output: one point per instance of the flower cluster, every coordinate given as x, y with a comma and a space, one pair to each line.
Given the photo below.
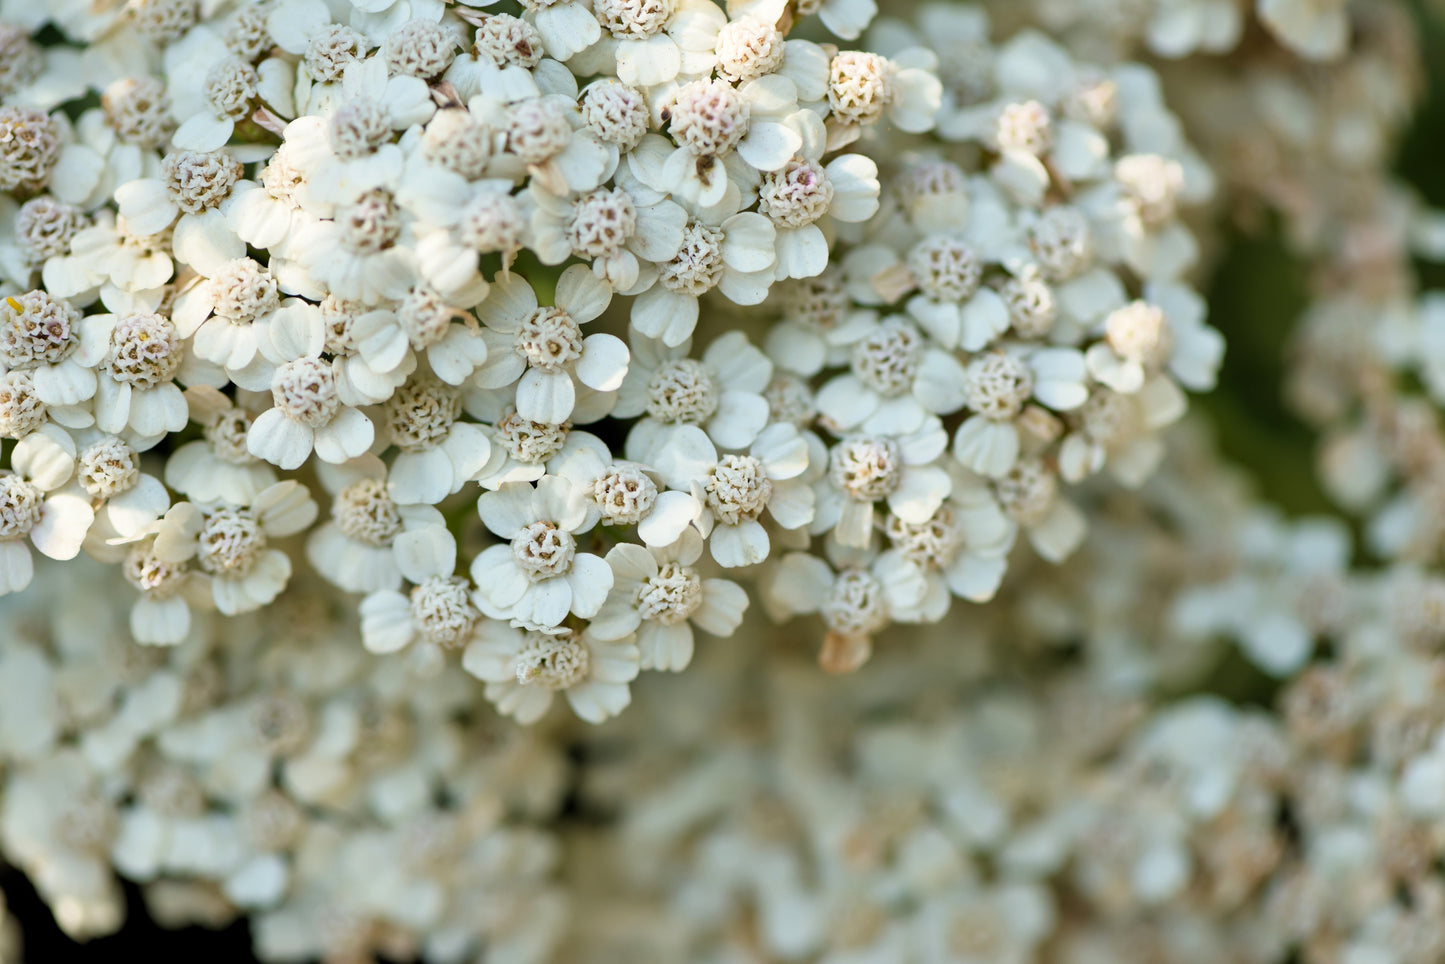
408, 266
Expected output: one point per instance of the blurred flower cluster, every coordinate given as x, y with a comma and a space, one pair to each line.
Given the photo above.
383, 375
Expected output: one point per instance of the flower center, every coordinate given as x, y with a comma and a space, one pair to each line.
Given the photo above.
1138, 333
682, 391
230, 88
708, 117
1031, 304
229, 542
227, 435
305, 391
422, 412
602, 222
616, 113
1027, 492
1060, 240
21, 410
136, 109
492, 222
424, 316
371, 224
820, 302
553, 661
365, 512
738, 489
625, 494
443, 610
748, 48
946, 269
633, 19
198, 181
457, 141
671, 596
36, 329
934, 543
537, 130
997, 385
544, 551
698, 264
331, 50
1024, 127
865, 468
145, 350
244, 291
157, 579
887, 360
508, 41
858, 88
530, 442
108, 467
798, 194
855, 605
358, 128
549, 339
20, 504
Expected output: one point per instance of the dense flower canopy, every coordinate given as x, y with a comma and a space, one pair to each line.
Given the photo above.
465, 392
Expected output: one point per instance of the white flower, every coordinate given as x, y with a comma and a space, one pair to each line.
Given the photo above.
545, 141
161, 616
307, 412
231, 544
659, 595
32, 507
621, 230
43, 335
897, 378
438, 453
356, 549
58, 824
437, 612
211, 89
125, 499
137, 357
422, 322
544, 347
194, 193
1165, 330
226, 315
996, 387
734, 490
627, 494
866, 469
735, 257
461, 221
962, 548
722, 393
1029, 494
523, 668
217, 467
540, 576
867, 592
100, 158
351, 152
1121, 431
108, 259
710, 119
803, 197
655, 43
